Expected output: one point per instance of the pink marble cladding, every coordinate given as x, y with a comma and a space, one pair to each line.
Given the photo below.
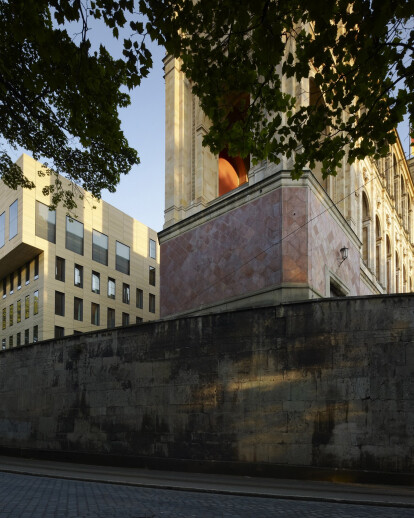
326, 238
231, 255
295, 235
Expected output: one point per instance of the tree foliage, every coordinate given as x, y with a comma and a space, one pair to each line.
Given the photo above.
59, 99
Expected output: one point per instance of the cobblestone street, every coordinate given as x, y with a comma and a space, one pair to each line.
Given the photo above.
23, 496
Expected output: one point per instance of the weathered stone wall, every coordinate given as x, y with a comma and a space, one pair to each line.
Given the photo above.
327, 383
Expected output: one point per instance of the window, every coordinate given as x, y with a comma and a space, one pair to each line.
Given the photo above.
3, 343
35, 333
11, 316
26, 336
95, 314
151, 307
96, 282
140, 298
36, 302
99, 247
110, 321
138, 320
74, 235
111, 288
19, 311
45, 222
13, 209
36, 267
19, 339
11, 341
122, 258
19, 278
4, 319
27, 272
78, 309
11, 281
27, 306
77, 332
125, 293
60, 269
152, 249
2, 229
151, 279
4, 287
59, 303
125, 319
59, 332
78, 276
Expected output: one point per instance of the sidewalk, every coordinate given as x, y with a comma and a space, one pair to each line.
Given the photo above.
366, 494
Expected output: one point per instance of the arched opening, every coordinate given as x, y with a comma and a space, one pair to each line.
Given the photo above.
405, 284
389, 258
397, 273
233, 169
232, 172
378, 240
365, 228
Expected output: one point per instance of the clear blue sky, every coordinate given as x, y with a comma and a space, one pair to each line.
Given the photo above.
141, 193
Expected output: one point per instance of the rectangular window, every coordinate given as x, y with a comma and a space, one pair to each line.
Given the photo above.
11, 341
96, 282
19, 339
140, 298
27, 306
13, 210
45, 222
99, 247
11, 282
78, 276
60, 269
2, 229
35, 333
122, 257
59, 332
3, 343
138, 320
19, 278
151, 276
78, 309
125, 293
152, 249
95, 314
110, 321
125, 319
28, 272
111, 288
4, 319
4, 287
74, 235
151, 300
26, 336
19, 311
11, 316
59, 303
36, 267
36, 302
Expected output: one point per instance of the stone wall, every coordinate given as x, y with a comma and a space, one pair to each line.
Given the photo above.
325, 383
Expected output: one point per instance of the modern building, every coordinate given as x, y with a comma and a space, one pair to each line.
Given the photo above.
62, 274
237, 235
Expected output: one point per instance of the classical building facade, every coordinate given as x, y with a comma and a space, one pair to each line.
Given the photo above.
236, 235
61, 274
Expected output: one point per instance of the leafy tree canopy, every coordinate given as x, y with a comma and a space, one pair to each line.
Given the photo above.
60, 99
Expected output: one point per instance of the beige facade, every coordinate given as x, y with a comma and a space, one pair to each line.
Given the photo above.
214, 243
61, 274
